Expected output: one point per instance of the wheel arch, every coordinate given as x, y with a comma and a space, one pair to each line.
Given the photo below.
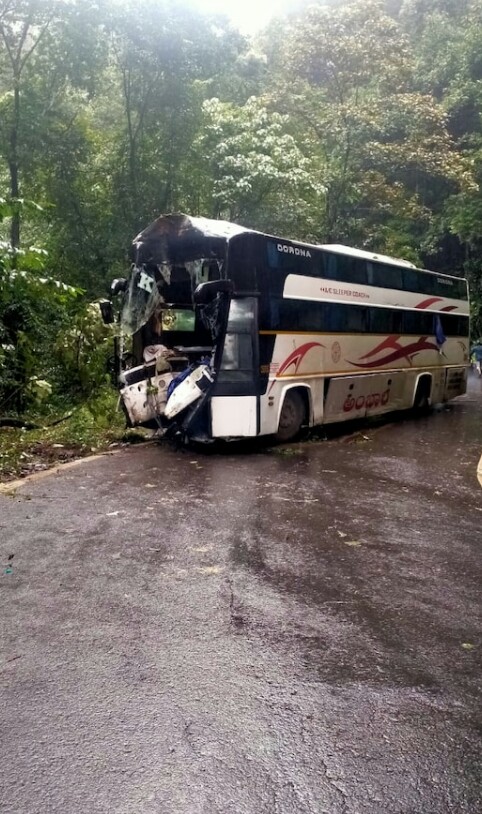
305, 392
423, 389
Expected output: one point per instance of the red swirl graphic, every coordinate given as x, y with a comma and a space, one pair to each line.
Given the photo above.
398, 351
295, 358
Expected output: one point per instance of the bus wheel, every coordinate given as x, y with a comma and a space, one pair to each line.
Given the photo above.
292, 416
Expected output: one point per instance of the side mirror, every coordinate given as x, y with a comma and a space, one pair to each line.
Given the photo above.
107, 312
118, 285
205, 292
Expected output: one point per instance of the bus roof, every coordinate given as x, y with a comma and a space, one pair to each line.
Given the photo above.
182, 237
172, 231
380, 258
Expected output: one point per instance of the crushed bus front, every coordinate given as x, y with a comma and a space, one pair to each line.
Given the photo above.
175, 306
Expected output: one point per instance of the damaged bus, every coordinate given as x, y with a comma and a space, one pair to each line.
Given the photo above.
238, 334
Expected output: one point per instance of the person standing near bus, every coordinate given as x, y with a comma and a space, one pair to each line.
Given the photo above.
476, 358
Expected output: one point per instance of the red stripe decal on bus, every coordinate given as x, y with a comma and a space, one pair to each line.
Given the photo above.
429, 302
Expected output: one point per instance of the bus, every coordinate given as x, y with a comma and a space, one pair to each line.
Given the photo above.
238, 334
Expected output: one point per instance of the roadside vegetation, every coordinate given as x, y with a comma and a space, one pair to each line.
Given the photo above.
350, 122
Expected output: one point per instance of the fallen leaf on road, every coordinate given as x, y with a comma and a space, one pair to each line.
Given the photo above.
210, 569
352, 543
467, 646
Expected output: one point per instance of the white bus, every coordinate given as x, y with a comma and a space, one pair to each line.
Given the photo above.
239, 334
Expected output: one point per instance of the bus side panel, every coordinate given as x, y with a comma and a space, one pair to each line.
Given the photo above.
455, 383
234, 416
332, 354
351, 397
438, 386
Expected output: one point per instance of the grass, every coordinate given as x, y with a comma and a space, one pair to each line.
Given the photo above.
92, 427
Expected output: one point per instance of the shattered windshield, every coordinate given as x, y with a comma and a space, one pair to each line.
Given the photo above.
150, 287
142, 299
171, 257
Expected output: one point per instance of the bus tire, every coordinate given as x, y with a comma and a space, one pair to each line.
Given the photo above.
291, 417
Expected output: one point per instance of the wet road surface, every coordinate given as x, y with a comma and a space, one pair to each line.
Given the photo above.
295, 631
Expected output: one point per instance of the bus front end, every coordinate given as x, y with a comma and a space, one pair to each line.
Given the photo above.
174, 316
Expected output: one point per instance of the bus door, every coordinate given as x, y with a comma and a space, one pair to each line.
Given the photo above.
235, 397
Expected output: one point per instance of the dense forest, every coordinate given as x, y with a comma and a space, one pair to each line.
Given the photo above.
353, 122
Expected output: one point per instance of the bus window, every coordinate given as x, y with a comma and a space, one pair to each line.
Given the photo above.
210, 270
386, 276
411, 280
237, 353
417, 322
344, 268
352, 269
241, 315
385, 321
238, 357
330, 266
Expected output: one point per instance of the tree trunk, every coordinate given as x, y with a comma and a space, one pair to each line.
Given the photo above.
14, 169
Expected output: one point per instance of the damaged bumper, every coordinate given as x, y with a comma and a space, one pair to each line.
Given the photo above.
162, 399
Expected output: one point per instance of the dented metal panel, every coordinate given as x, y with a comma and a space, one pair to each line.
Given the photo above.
146, 400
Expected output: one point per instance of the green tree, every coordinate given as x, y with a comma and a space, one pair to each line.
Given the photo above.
383, 146
255, 171
168, 59
34, 309
447, 40
23, 26
49, 56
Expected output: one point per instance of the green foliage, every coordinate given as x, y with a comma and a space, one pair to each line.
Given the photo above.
92, 427
82, 349
356, 122
34, 310
256, 172
385, 152
447, 39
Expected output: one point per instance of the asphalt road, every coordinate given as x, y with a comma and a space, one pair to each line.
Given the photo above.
290, 631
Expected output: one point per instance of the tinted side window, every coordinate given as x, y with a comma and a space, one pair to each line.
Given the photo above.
418, 322
386, 276
411, 280
383, 321
345, 268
